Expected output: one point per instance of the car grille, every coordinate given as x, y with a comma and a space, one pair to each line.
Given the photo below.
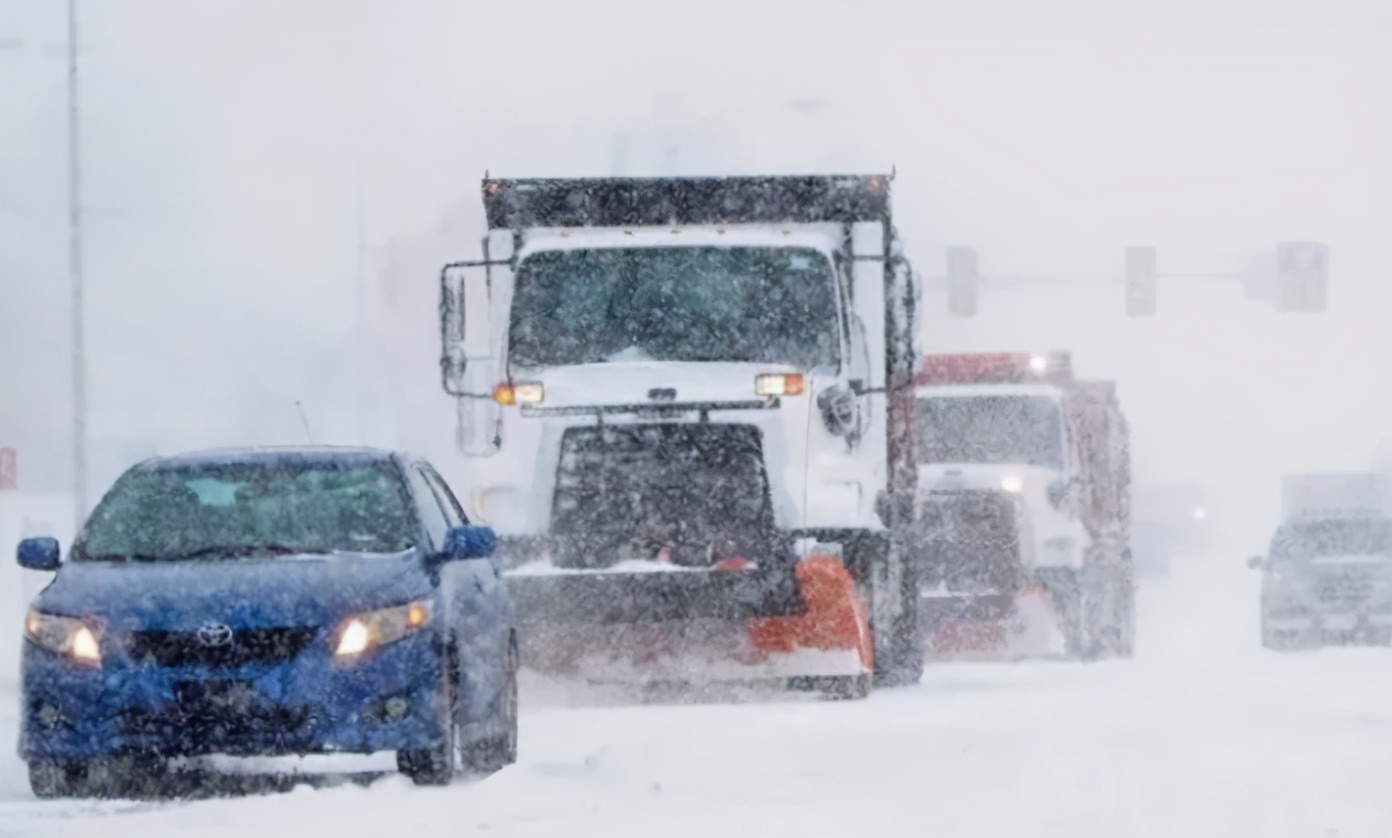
1345, 590
246, 647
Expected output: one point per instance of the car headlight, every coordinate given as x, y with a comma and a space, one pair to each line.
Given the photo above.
77, 640
1013, 483
369, 630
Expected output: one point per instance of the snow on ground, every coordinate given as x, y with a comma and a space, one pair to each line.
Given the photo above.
1202, 734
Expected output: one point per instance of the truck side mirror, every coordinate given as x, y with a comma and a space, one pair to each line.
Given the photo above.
1257, 562
38, 554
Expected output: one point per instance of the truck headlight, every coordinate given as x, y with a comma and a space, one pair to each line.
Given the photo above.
75, 639
1013, 483
779, 384
372, 629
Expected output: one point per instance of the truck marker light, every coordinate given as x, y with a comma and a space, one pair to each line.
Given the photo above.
510, 394
532, 393
779, 384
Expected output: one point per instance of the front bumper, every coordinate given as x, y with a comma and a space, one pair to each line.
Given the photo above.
310, 704
1358, 627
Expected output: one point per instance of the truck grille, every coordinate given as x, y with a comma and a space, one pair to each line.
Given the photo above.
629, 491
246, 647
970, 542
1344, 591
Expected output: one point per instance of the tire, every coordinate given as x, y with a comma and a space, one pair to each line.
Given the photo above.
847, 688
499, 747
434, 766
899, 651
50, 779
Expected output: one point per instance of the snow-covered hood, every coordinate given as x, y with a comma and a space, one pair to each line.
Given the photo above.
280, 591
642, 382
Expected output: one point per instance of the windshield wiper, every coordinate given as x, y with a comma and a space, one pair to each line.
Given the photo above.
235, 550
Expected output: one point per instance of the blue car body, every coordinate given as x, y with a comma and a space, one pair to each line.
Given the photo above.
237, 655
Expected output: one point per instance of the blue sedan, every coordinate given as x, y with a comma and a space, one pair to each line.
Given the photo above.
268, 602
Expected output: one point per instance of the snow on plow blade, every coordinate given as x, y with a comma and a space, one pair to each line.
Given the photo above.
804, 627
992, 627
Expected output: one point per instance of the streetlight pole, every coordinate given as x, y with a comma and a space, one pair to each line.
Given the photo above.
79, 370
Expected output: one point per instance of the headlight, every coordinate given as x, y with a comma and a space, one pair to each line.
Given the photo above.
367, 631
75, 639
779, 384
1013, 483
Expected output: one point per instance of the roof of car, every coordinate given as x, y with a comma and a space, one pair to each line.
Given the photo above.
265, 455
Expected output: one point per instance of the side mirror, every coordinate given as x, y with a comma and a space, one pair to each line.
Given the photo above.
38, 553
840, 413
469, 543
1059, 492
1257, 562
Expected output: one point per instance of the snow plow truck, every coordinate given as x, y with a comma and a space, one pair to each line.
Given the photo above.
1024, 495
689, 403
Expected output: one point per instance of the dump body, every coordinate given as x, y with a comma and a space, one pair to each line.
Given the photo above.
668, 382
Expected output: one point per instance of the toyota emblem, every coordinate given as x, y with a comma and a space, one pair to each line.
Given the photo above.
214, 635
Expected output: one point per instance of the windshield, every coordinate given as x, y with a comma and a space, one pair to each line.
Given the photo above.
1329, 539
231, 510
756, 304
1022, 430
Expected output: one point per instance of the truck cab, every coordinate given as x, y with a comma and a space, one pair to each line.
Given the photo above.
686, 374
1327, 577
1023, 488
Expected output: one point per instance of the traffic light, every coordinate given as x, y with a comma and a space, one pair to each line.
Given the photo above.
963, 281
1302, 276
1140, 281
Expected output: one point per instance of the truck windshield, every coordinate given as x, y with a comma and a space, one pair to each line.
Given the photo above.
1331, 539
1022, 430
221, 511
756, 304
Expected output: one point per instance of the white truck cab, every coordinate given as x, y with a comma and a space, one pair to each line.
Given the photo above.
675, 373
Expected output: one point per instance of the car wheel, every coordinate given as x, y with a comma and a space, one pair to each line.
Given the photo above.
434, 766
498, 749
51, 778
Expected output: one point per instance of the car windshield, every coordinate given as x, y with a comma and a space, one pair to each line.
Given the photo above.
756, 304
1021, 430
224, 511
1331, 539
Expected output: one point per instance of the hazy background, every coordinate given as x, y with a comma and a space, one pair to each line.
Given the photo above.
270, 186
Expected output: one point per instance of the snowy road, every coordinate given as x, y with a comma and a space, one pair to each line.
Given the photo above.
1202, 734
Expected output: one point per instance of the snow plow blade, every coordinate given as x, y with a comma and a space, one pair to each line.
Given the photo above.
804, 627
991, 626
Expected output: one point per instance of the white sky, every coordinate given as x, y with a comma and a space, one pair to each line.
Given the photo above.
227, 145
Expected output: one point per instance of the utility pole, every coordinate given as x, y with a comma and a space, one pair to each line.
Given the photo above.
79, 369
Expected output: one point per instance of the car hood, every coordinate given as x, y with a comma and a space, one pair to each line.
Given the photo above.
280, 591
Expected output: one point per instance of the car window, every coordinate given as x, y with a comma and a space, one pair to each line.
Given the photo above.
454, 513
432, 515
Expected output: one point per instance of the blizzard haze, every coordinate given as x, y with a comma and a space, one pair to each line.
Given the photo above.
270, 189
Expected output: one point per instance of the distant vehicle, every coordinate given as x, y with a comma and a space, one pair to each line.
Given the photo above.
268, 602
1327, 578
672, 387
1169, 521
1024, 501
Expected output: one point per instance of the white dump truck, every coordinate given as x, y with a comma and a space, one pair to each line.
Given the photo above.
687, 402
